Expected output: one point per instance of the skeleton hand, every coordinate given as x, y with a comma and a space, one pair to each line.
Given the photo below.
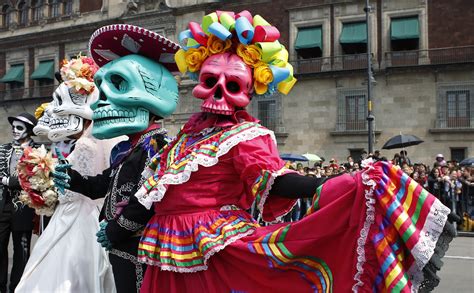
60, 177
102, 236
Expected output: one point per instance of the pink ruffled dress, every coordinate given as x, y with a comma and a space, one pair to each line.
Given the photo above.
373, 231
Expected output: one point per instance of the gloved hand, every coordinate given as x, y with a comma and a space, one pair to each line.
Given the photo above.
60, 177
4, 180
102, 236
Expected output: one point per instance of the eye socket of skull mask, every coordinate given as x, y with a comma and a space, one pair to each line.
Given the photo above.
131, 89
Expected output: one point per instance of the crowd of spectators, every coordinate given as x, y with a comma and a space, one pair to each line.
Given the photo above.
452, 184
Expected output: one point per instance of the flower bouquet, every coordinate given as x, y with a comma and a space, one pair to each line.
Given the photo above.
35, 176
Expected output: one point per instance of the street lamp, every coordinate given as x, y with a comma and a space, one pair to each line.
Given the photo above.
370, 79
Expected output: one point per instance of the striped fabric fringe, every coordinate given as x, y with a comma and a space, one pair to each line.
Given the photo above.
406, 236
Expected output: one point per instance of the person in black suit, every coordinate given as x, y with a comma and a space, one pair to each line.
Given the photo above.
15, 219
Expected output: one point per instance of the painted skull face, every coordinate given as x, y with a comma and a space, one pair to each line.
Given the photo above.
225, 84
65, 115
19, 130
131, 88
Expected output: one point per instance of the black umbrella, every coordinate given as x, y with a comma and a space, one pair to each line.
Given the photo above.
401, 141
469, 162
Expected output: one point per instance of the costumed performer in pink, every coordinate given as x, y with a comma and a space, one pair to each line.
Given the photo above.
374, 231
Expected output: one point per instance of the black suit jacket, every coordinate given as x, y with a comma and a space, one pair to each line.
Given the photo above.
125, 215
22, 216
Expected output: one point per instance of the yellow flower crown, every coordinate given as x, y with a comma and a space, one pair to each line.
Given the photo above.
252, 38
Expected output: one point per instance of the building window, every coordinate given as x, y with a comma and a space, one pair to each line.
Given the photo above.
404, 33
355, 112
5, 16
16, 85
37, 9
352, 110
455, 106
22, 13
54, 6
308, 42
16, 74
458, 154
268, 111
67, 8
353, 37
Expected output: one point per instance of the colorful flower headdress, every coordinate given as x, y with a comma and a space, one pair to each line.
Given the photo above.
79, 74
250, 37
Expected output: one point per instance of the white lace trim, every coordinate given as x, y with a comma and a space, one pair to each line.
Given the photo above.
369, 220
424, 248
207, 256
157, 193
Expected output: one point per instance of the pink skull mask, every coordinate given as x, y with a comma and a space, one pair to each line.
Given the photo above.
225, 83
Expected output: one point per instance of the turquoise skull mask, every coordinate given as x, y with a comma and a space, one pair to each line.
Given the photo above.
131, 88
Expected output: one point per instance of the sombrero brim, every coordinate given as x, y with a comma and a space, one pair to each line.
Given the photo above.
117, 40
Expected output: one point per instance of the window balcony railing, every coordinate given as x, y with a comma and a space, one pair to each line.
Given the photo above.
335, 63
351, 125
42, 91
13, 94
455, 123
439, 56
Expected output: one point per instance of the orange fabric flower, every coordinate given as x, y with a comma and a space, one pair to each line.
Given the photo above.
86, 72
251, 55
262, 76
216, 45
195, 58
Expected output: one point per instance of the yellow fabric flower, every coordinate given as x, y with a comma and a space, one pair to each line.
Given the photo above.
195, 58
40, 110
216, 45
262, 76
251, 54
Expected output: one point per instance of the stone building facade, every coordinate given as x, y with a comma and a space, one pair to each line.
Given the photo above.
422, 60
34, 37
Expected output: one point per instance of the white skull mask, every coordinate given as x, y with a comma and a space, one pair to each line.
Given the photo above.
65, 115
